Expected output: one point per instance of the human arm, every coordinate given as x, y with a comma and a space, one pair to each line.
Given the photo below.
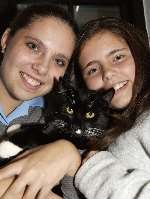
121, 172
42, 169
103, 176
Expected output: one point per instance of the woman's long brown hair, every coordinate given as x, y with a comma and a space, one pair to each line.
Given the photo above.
122, 120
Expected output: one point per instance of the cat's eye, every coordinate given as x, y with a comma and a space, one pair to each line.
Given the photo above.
89, 115
69, 110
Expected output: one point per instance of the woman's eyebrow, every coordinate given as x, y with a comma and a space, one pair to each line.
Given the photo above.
35, 39
115, 51
90, 63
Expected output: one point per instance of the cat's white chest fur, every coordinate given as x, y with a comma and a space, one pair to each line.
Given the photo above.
8, 149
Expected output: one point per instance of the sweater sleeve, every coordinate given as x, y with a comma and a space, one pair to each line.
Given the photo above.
121, 172
68, 188
102, 176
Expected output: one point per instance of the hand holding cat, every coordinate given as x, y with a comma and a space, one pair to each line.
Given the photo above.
41, 170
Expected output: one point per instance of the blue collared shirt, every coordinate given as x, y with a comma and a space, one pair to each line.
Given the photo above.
21, 110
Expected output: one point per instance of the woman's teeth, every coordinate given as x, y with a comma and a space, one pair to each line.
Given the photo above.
30, 80
119, 85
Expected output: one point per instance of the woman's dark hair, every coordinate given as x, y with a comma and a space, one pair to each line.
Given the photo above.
8, 10
138, 44
27, 16
32, 13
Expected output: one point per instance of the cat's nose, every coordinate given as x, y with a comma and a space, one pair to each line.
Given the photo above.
78, 131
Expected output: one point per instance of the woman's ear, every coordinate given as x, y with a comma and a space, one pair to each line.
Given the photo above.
4, 39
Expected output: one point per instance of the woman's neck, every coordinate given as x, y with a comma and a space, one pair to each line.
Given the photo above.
7, 102
8, 105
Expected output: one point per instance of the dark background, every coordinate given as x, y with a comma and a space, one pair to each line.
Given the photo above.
82, 10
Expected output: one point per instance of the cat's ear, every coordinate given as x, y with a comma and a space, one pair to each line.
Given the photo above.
67, 81
64, 85
61, 85
108, 95
70, 76
55, 83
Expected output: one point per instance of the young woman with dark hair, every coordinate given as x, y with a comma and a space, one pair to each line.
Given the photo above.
35, 49
113, 53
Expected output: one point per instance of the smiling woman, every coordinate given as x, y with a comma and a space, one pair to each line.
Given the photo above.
107, 67
41, 57
36, 49
113, 53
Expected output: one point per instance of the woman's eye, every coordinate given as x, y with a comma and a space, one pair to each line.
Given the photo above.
92, 71
32, 46
119, 58
60, 62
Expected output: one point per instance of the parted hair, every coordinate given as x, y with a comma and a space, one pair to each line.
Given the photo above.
34, 12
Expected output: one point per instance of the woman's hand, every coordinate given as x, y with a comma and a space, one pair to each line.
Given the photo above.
5, 184
53, 196
40, 171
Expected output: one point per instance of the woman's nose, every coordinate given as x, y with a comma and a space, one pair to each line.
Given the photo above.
41, 67
108, 74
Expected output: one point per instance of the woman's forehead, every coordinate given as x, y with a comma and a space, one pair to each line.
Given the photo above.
99, 43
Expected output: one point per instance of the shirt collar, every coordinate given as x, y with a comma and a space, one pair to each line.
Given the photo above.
21, 110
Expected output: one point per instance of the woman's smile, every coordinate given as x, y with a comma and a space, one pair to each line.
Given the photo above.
120, 85
30, 82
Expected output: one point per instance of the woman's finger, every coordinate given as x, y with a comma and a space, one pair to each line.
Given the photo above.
10, 193
10, 170
32, 191
44, 192
18, 186
53, 196
5, 184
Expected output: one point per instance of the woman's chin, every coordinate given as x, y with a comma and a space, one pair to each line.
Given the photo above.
120, 104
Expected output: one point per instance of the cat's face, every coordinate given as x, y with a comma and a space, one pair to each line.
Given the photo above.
79, 115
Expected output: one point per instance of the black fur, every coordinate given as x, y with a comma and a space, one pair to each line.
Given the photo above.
80, 117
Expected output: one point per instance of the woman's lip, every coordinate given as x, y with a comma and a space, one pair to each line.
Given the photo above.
30, 82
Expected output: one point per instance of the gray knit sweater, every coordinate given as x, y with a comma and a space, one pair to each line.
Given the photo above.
35, 114
122, 172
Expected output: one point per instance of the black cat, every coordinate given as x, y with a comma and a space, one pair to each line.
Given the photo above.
80, 117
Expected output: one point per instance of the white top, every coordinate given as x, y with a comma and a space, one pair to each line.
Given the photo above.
122, 172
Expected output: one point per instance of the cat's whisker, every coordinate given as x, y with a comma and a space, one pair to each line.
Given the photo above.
59, 123
94, 132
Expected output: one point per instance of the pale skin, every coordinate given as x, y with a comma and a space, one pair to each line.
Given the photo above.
30, 168
36, 56
106, 62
